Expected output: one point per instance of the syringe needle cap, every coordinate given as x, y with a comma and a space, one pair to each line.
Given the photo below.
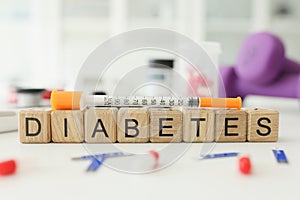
65, 100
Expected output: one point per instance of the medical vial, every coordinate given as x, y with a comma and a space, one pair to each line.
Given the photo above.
160, 77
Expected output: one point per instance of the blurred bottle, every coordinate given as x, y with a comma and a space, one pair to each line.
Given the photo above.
160, 77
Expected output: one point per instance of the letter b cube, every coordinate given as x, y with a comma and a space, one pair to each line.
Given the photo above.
133, 125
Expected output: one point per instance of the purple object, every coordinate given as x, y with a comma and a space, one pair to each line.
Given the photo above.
262, 69
261, 59
287, 85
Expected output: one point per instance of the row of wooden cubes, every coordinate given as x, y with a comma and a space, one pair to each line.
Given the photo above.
140, 125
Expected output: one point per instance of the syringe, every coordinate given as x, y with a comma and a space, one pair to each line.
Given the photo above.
67, 100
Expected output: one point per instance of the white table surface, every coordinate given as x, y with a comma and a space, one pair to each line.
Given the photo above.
45, 171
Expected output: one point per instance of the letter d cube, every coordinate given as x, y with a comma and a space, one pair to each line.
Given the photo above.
35, 125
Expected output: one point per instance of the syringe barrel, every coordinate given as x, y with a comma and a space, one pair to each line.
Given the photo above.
137, 101
64, 100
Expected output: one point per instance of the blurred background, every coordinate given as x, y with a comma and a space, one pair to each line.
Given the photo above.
43, 43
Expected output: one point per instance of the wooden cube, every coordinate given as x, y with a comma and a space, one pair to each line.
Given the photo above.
35, 125
262, 125
133, 125
165, 125
230, 125
67, 126
198, 125
100, 125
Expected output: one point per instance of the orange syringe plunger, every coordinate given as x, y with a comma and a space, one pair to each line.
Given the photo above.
221, 102
65, 100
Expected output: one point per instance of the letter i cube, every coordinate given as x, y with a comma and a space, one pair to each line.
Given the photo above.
67, 126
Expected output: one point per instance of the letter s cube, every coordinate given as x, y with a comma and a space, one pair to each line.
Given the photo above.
262, 125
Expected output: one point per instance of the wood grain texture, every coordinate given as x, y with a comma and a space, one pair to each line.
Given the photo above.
230, 125
198, 125
262, 125
133, 125
100, 125
154, 124
35, 125
165, 125
67, 126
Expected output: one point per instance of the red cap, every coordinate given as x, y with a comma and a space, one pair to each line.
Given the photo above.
155, 154
8, 167
245, 165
